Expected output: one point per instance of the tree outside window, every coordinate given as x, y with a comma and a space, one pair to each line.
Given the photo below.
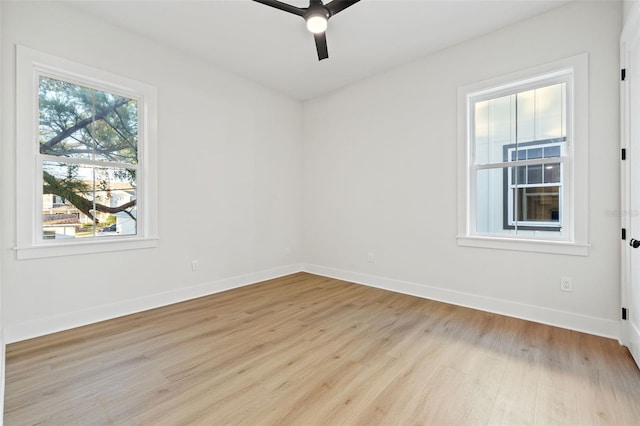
88, 142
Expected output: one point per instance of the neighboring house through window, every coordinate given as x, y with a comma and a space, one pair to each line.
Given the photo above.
533, 193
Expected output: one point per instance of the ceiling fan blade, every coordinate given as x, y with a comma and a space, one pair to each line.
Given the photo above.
339, 5
321, 45
283, 6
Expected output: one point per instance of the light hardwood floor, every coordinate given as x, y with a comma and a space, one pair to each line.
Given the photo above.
310, 350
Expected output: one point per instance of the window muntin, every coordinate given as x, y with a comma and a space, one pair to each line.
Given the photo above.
518, 140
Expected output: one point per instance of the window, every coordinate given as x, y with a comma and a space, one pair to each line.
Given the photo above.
86, 155
522, 151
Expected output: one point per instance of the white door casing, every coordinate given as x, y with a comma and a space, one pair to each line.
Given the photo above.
630, 182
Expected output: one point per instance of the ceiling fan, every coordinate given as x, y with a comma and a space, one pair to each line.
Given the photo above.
316, 16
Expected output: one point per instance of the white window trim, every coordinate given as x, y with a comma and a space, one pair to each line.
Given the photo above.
576, 177
30, 64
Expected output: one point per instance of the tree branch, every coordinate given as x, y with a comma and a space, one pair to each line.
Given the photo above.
53, 186
80, 125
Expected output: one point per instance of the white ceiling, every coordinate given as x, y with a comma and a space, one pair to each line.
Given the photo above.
274, 48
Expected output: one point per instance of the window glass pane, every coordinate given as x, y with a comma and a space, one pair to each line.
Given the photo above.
534, 153
552, 151
550, 106
85, 201
81, 122
522, 175
541, 204
494, 127
490, 201
534, 174
116, 196
481, 135
67, 192
552, 173
526, 116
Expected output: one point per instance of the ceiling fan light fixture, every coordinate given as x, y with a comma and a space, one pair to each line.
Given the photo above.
317, 23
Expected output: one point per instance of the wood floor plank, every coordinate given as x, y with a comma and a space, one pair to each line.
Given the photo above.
311, 350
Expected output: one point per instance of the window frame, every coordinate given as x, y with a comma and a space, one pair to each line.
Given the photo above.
575, 173
30, 65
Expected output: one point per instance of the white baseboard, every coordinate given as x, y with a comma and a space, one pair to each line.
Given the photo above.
563, 319
572, 321
2, 375
634, 341
17, 332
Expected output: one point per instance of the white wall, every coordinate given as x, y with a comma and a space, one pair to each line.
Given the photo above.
626, 8
380, 177
229, 167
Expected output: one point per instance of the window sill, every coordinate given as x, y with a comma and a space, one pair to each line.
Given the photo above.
537, 246
88, 247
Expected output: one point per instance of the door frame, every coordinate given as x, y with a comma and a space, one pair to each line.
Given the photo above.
629, 336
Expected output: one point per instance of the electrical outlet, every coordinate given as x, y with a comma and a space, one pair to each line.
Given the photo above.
370, 257
566, 284
195, 265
